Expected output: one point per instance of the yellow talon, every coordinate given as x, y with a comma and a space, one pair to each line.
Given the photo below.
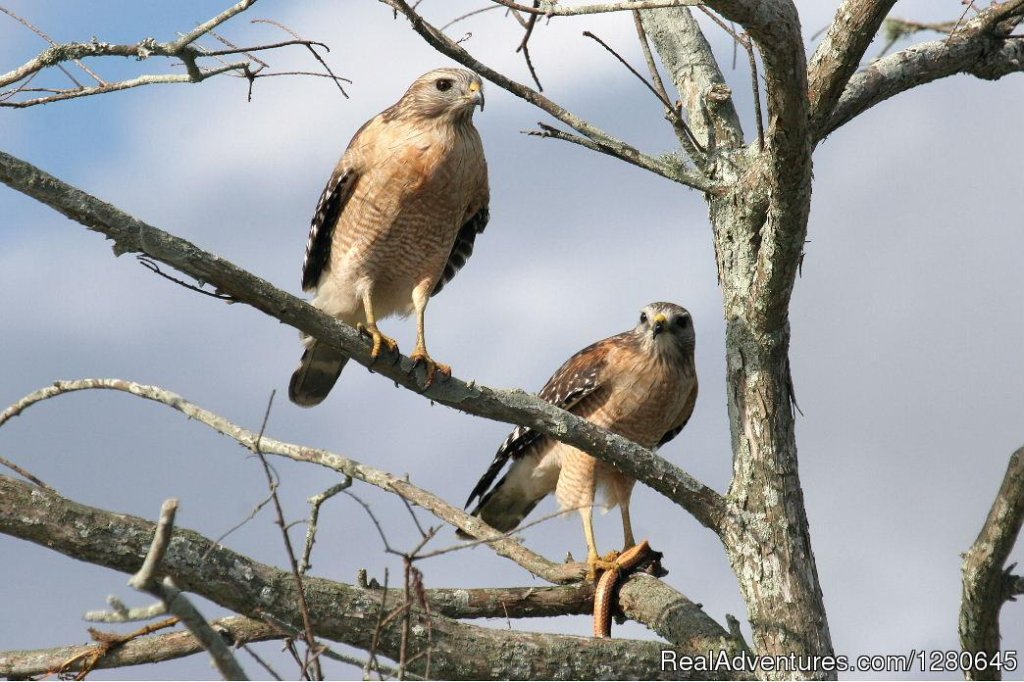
379, 340
420, 357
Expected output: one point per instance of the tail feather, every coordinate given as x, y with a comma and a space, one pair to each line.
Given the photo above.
511, 500
316, 374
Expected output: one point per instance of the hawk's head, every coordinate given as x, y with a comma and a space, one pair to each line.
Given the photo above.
451, 93
666, 328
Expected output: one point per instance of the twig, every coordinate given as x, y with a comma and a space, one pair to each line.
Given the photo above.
496, 540
601, 141
145, 580
135, 649
24, 473
52, 42
182, 48
120, 613
377, 631
415, 519
673, 112
467, 15
314, 516
693, 147
524, 46
259, 660
309, 45
311, 662
150, 265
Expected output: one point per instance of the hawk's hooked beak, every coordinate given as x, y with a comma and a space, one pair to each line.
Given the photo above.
476, 93
659, 324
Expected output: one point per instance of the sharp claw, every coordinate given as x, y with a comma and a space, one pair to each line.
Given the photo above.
379, 340
420, 357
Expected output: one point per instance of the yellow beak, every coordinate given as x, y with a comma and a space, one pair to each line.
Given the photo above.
659, 324
476, 93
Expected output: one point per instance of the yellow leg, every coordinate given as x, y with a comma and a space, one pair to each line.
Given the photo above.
379, 340
595, 562
419, 355
627, 527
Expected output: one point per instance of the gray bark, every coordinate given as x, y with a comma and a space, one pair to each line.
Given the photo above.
987, 582
759, 228
349, 614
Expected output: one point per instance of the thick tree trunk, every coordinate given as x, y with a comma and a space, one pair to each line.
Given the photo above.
759, 220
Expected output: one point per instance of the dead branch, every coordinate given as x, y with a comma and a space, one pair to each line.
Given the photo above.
140, 650
499, 542
981, 47
145, 580
340, 611
687, 56
310, 663
987, 582
673, 110
182, 49
132, 235
549, 8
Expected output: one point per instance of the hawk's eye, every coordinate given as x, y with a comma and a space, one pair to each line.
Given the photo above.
444, 84
643, 318
683, 322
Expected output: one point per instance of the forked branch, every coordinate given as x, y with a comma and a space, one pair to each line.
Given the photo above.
341, 611
981, 47
183, 49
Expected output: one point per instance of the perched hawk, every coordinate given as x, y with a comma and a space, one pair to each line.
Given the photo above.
641, 384
396, 221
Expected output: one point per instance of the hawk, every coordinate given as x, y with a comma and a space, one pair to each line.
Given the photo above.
397, 220
641, 384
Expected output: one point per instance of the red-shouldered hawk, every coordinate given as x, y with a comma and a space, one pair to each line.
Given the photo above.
641, 384
396, 221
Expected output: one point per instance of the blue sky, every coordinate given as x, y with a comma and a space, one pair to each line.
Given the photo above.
907, 322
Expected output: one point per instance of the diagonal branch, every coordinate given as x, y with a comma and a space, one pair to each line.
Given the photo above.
837, 57
516, 407
340, 612
257, 442
145, 580
607, 143
987, 583
687, 55
548, 8
20, 665
980, 48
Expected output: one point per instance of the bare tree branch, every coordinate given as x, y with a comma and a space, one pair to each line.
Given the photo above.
499, 542
837, 57
602, 140
145, 580
979, 48
132, 235
987, 582
340, 612
549, 8
687, 56
182, 48
153, 649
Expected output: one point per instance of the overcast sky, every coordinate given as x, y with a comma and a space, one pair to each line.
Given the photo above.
907, 323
